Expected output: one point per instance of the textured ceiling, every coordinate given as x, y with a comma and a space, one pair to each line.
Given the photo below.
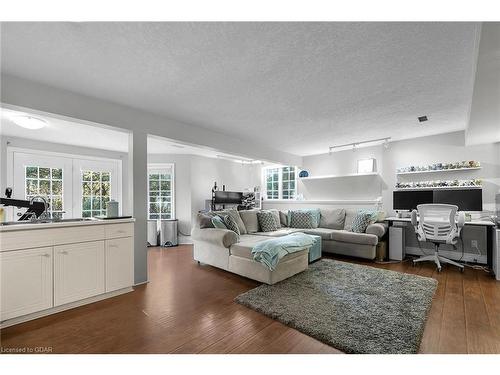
298, 87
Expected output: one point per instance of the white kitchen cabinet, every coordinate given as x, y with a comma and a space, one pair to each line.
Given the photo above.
119, 263
78, 271
26, 281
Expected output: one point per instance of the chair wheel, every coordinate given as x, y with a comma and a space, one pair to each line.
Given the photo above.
439, 269
462, 269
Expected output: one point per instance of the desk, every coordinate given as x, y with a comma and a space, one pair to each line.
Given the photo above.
492, 250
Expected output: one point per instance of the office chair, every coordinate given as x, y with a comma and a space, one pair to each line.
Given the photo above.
437, 225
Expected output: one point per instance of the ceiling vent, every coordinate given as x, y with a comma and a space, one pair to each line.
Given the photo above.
422, 119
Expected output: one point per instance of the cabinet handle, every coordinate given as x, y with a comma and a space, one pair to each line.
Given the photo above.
46, 255
112, 245
121, 231
64, 252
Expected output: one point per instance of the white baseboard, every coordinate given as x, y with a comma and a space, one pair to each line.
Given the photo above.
468, 257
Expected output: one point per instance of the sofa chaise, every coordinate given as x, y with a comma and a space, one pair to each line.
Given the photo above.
224, 249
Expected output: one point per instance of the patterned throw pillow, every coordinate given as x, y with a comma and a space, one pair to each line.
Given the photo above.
231, 224
362, 219
302, 219
267, 221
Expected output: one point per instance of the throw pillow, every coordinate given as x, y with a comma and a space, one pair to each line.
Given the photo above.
267, 221
231, 224
218, 222
284, 218
316, 214
362, 219
205, 220
302, 219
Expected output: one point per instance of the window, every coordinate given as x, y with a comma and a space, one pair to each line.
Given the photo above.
280, 183
288, 180
272, 183
48, 183
96, 192
160, 193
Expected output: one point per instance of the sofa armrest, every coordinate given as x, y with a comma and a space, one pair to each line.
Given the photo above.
216, 236
377, 229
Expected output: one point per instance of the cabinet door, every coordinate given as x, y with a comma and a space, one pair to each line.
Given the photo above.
26, 282
119, 263
79, 271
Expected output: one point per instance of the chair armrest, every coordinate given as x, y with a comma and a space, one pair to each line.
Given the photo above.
377, 229
216, 236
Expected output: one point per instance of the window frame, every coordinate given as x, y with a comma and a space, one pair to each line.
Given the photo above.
163, 167
280, 182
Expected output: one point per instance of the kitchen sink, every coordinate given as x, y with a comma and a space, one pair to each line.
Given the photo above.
48, 221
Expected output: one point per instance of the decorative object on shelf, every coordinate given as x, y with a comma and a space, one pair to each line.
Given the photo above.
366, 166
439, 183
471, 164
303, 174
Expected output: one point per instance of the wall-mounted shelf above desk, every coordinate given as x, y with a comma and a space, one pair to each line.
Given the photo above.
328, 177
437, 171
439, 188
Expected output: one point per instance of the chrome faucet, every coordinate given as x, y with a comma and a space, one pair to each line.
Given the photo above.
45, 204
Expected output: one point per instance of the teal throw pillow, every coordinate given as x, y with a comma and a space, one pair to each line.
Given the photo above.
218, 222
362, 219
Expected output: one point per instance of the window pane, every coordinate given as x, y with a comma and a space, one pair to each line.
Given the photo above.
105, 188
86, 203
32, 172
154, 185
154, 176
105, 176
56, 173
87, 176
44, 173
96, 176
96, 203
57, 187
44, 187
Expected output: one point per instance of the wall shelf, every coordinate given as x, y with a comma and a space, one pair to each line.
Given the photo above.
328, 177
437, 171
320, 201
440, 188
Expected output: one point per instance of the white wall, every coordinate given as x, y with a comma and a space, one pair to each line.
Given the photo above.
194, 178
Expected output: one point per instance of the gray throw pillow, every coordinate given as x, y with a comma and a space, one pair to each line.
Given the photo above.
205, 220
250, 220
284, 218
267, 221
302, 219
332, 218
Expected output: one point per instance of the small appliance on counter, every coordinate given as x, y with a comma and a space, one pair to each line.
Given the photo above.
112, 209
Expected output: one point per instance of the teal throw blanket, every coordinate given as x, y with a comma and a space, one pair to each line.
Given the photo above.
270, 252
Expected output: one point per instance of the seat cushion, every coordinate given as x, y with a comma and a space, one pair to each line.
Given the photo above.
280, 232
244, 247
324, 233
351, 237
332, 218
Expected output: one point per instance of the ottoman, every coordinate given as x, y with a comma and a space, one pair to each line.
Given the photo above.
315, 250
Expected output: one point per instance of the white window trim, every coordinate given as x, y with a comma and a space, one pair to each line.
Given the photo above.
153, 166
280, 183
69, 189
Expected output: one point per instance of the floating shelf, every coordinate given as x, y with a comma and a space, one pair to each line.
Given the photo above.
438, 170
439, 188
326, 177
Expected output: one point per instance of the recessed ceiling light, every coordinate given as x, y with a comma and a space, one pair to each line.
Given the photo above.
29, 122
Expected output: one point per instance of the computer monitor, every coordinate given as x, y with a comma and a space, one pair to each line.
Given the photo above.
409, 200
465, 199
228, 197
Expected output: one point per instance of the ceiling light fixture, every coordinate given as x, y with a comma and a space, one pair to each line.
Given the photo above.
29, 122
242, 161
355, 145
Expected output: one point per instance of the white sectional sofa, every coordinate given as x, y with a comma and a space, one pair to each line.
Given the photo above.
224, 249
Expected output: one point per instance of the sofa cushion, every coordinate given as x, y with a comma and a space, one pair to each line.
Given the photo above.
324, 233
231, 224
350, 213
249, 218
351, 237
267, 221
280, 232
361, 221
332, 218
284, 218
236, 217
302, 219
244, 248
205, 220
378, 229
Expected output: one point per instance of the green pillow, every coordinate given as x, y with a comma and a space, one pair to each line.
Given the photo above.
218, 222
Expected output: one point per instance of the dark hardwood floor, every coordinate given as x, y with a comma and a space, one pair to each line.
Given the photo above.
188, 308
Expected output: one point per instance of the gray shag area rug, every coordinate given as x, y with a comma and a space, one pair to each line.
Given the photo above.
354, 308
